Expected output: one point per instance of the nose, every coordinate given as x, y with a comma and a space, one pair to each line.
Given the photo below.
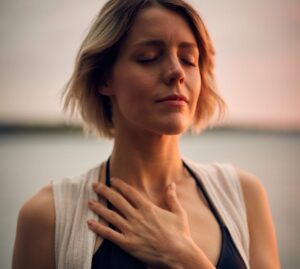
174, 74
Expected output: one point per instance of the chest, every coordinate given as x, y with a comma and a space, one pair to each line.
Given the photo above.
204, 227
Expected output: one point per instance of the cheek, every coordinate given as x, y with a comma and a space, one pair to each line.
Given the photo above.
135, 83
133, 88
195, 85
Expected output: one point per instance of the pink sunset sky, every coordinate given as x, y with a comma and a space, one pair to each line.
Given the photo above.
257, 61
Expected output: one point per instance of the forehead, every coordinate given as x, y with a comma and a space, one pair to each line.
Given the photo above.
160, 24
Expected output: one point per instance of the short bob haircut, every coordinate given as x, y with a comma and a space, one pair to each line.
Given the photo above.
99, 51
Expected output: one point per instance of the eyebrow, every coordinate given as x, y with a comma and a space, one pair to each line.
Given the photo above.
160, 43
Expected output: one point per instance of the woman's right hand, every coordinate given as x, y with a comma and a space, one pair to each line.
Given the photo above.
161, 238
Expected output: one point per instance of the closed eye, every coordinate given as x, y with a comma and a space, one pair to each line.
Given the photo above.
146, 60
189, 62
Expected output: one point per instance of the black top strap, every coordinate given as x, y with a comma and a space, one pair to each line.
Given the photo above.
107, 179
205, 193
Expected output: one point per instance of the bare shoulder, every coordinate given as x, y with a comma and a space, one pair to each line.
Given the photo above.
35, 232
39, 208
255, 197
263, 243
252, 187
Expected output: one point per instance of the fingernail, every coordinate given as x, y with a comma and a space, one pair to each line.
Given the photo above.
91, 202
98, 187
113, 179
172, 186
90, 222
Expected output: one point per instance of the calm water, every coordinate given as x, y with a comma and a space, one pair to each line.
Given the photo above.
30, 160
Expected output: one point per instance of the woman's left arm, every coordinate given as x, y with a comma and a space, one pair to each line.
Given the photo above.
161, 238
263, 244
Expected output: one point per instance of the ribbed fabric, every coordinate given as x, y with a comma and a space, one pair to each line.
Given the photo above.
74, 242
222, 184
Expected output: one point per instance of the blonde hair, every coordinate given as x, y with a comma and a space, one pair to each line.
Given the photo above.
99, 52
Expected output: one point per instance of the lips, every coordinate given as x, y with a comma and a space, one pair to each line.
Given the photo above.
173, 97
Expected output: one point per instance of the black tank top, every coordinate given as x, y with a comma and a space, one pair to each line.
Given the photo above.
111, 256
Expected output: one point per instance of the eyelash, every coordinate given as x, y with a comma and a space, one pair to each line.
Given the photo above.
150, 60
189, 63
146, 61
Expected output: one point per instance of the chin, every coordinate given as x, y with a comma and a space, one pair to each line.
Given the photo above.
173, 129
170, 126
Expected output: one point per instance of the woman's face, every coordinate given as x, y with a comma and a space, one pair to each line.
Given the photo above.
155, 82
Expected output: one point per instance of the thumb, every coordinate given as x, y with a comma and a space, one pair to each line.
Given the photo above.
172, 199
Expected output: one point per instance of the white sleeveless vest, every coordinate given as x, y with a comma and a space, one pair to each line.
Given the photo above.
74, 242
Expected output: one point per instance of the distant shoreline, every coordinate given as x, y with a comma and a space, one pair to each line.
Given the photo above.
72, 129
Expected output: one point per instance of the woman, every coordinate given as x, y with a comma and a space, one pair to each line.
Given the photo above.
143, 76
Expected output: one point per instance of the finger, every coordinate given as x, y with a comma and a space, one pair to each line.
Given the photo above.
116, 199
107, 232
172, 200
131, 194
108, 215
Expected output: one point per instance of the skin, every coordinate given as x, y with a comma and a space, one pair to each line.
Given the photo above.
161, 216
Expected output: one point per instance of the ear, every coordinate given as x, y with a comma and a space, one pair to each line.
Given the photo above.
105, 89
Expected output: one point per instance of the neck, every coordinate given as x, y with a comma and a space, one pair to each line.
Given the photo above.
147, 162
